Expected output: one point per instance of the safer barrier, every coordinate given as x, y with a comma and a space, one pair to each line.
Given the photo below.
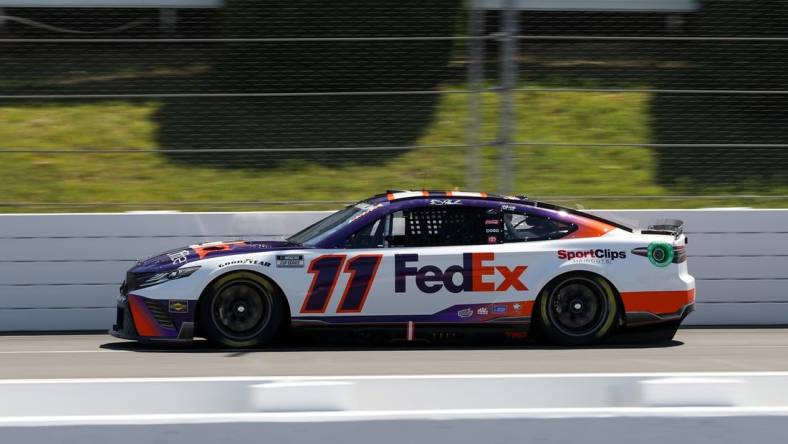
62, 272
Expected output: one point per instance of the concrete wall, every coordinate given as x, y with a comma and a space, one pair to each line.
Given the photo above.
62, 272
718, 408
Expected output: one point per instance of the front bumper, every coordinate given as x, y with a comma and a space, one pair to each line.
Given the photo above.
145, 320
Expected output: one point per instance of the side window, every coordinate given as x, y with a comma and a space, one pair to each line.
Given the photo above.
520, 227
440, 226
371, 236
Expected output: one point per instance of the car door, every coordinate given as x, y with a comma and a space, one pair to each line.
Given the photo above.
426, 263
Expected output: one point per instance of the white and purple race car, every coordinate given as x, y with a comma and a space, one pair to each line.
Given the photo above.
417, 262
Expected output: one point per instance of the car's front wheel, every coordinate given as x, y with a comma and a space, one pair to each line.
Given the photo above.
578, 309
240, 309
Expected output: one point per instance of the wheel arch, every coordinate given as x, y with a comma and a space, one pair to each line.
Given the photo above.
277, 288
535, 324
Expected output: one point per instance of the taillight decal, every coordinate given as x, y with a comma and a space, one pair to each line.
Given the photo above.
662, 254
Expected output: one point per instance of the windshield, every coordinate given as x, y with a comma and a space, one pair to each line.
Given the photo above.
318, 231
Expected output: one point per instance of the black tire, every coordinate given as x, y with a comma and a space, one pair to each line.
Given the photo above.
577, 309
241, 309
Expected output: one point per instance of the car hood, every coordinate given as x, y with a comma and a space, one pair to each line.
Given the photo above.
174, 259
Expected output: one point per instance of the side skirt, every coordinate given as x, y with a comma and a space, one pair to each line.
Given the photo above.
414, 332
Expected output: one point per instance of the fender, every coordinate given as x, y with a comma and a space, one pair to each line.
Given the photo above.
569, 267
219, 273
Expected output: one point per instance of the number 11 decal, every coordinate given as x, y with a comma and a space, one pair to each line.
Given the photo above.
325, 270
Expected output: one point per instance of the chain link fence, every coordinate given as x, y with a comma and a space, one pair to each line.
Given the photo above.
309, 104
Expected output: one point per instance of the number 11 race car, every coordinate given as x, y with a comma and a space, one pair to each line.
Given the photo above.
420, 261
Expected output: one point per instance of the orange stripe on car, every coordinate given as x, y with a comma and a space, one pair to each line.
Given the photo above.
589, 228
204, 250
145, 324
527, 307
657, 302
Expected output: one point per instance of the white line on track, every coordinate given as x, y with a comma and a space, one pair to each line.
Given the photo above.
289, 378
57, 352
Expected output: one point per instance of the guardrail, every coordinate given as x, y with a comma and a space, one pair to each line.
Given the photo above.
62, 271
595, 408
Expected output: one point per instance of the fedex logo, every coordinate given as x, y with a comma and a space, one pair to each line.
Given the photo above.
472, 275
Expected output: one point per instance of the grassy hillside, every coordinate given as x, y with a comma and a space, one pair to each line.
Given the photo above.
154, 181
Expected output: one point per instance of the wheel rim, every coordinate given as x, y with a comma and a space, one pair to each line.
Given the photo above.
241, 310
578, 307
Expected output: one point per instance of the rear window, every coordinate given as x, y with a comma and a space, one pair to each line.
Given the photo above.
519, 227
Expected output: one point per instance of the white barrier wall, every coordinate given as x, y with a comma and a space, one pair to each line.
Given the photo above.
718, 408
62, 272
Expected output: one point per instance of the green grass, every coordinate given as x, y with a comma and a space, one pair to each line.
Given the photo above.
154, 181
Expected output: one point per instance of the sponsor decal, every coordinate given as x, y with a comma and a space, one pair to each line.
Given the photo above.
506, 207
179, 306
596, 256
445, 202
204, 250
290, 260
465, 313
516, 334
492, 222
517, 307
471, 275
482, 311
364, 213
179, 257
499, 309
245, 262
259, 245
492, 240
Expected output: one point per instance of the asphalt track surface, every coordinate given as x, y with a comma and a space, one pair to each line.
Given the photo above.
101, 356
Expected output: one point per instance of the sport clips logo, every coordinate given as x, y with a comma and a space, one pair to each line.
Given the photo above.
597, 256
474, 274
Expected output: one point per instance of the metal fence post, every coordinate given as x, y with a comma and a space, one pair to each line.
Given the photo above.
508, 82
475, 73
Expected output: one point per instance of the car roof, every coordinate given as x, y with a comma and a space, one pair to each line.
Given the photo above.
399, 195
395, 195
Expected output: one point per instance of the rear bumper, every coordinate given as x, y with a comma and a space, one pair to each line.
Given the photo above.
139, 319
650, 307
636, 319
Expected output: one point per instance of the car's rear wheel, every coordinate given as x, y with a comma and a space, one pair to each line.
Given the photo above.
577, 309
240, 310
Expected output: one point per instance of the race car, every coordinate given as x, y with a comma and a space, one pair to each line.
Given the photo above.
420, 261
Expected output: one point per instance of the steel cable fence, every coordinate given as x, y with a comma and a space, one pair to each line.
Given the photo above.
308, 105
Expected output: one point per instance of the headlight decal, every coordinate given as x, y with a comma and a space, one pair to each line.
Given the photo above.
160, 278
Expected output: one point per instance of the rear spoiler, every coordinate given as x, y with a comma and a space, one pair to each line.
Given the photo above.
670, 227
